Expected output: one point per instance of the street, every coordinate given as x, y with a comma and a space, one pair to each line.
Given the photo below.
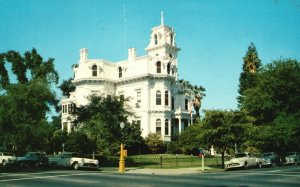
279, 176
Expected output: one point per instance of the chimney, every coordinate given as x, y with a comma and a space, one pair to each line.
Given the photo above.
83, 54
131, 54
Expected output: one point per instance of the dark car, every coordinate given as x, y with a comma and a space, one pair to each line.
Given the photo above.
33, 159
271, 159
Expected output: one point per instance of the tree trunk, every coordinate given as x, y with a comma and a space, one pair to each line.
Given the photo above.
223, 163
197, 106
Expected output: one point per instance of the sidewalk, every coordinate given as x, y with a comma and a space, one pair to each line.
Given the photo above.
174, 171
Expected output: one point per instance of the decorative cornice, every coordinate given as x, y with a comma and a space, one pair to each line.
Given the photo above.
121, 81
166, 45
84, 81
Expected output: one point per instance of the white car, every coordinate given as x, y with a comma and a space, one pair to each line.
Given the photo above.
292, 158
7, 158
244, 160
72, 160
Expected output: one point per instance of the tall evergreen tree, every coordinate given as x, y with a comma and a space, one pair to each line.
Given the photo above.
251, 65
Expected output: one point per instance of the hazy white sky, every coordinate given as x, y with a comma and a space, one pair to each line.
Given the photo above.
213, 34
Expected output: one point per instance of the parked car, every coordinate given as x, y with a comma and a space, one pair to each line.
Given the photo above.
33, 159
72, 160
7, 158
271, 159
244, 160
292, 158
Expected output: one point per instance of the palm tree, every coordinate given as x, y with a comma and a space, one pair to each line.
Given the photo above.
195, 91
198, 92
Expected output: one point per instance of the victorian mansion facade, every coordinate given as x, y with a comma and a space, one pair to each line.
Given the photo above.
150, 82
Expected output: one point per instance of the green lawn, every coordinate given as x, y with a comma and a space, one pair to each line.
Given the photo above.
163, 161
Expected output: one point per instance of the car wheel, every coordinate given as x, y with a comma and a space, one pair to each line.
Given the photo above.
3, 163
259, 165
296, 162
273, 164
246, 166
21, 164
75, 166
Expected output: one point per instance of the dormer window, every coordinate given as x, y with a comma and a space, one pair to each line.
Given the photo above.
155, 39
158, 67
120, 72
94, 71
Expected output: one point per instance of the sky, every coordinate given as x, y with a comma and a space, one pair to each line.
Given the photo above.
213, 35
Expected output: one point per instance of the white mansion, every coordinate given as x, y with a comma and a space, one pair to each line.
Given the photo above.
149, 81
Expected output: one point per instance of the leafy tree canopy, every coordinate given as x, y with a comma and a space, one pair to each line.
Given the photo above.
100, 121
276, 91
223, 129
26, 101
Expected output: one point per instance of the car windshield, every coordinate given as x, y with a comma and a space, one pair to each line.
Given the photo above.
290, 153
266, 154
8, 154
69, 155
239, 155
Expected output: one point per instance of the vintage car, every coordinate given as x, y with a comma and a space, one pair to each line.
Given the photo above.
271, 159
292, 158
243, 160
72, 160
7, 158
32, 159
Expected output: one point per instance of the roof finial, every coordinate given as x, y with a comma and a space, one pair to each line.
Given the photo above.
162, 18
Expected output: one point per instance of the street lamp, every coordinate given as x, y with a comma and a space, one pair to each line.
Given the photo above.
122, 159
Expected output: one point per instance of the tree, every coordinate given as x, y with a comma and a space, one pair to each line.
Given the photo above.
195, 91
100, 119
27, 99
223, 129
276, 92
66, 87
251, 65
58, 138
280, 136
189, 140
132, 139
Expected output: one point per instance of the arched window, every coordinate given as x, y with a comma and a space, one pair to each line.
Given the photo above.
158, 126
94, 71
166, 127
120, 72
155, 39
169, 68
171, 39
173, 70
166, 98
158, 67
158, 98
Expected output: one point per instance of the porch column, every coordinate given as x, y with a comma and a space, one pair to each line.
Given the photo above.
179, 124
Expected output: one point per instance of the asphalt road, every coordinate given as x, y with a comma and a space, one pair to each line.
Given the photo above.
280, 176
